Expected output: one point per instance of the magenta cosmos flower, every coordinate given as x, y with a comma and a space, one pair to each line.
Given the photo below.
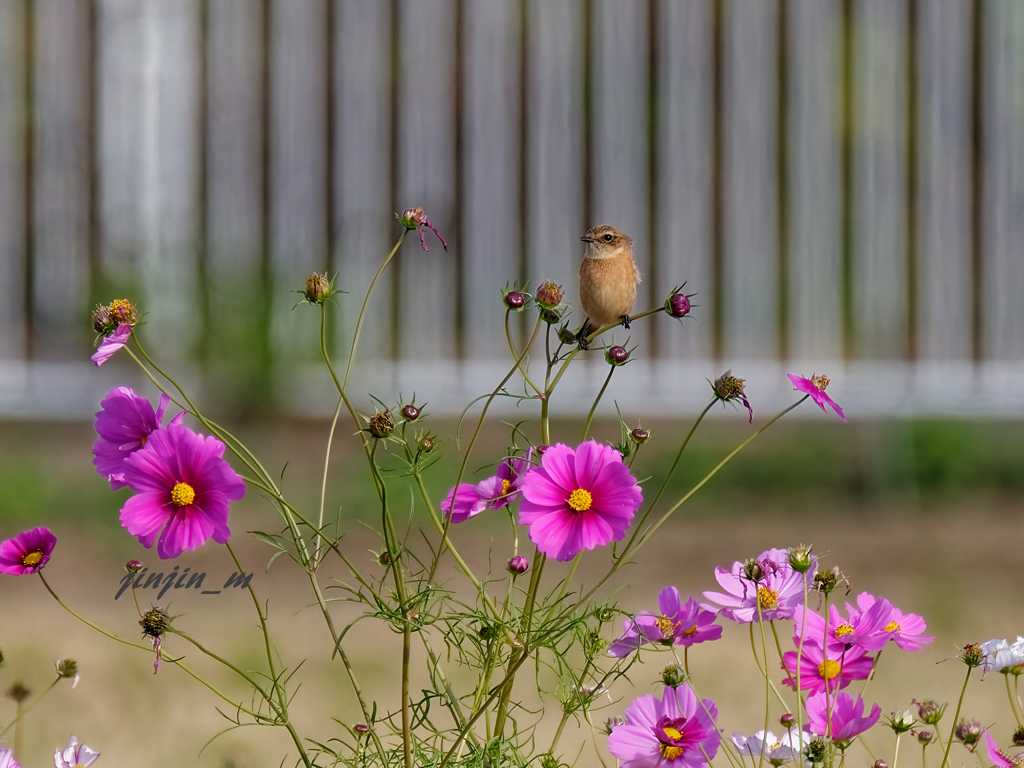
907, 628
820, 670
27, 552
777, 595
815, 387
868, 629
183, 486
999, 758
495, 492
75, 756
578, 500
7, 759
676, 730
842, 717
124, 425
111, 344
678, 624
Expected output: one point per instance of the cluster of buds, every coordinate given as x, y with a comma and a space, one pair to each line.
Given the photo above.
107, 318
415, 219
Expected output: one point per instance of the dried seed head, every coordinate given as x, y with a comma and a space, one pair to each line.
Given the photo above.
67, 667
972, 655
727, 387
18, 692
968, 732
318, 288
154, 622
381, 425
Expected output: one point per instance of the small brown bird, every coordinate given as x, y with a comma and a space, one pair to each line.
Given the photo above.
608, 279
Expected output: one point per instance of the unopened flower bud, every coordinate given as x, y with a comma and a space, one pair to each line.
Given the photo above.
549, 295
788, 720
514, 300
381, 425
972, 655
551, 316
18, 692
550, 761
640, 436
154, 622
384, 558
67, 667
410, 412
132, 566
1018, 737
426, 444
930, 711
518, 565
678, 305
800, 558
967, 732
566, 336
612, 723
925, 737
752, 570
901, 722
616, 355
673, 676
488, 632
880, 763
318, 288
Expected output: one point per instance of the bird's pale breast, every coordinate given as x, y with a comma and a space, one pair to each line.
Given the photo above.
608, 288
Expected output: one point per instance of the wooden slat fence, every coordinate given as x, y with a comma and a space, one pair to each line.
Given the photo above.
842, 181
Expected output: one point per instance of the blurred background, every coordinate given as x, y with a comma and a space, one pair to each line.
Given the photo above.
841, 182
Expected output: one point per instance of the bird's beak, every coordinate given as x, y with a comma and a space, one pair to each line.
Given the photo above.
586, 239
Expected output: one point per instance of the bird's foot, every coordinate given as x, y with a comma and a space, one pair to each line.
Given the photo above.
625, 321
581, 337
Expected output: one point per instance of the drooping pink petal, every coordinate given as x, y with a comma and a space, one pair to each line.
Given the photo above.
111, 344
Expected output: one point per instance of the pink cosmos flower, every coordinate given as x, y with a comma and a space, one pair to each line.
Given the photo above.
27, 553
999, 758
675, 731
124, 425
815, 387
7, 759
846, 716
820, 670
75, 756
578, 500
183, 486
495, 492
864, 629
779, 592
111, 344
678, 624
907, 628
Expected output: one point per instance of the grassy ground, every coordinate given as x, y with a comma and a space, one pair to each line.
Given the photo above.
926, 514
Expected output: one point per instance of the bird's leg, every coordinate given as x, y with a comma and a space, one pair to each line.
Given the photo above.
581, 335
625, 321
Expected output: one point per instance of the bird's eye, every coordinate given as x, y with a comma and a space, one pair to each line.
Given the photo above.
608, 237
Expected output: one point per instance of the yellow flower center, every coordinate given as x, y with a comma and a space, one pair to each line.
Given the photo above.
183, 494
767, 598
668, 751
505, 485
122, 309
828, 669
666, 626
844, 629
690, 631
775, 746
580, 500
820, 381
32, 558
892, 625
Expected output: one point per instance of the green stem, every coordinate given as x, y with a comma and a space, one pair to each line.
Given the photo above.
593, 409
515, 356
896, 751
956, 717
22, 711
1009, 695
323, 484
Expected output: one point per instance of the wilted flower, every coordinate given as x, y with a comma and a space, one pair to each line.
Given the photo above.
497, 491
678, 624
416, 219
578, 500
972, 655
776, 595
565, 336
815, 387
1018, 737
102, 320
111, 343
968, 732
727, 388
380, 425
124, 423
675, 730
183, 486
27, 552
930, 711
826, 581
75, 756
154, 623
